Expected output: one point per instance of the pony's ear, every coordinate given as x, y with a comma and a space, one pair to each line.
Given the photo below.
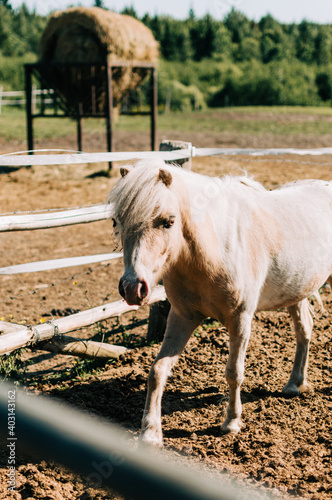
165, 176
124, 171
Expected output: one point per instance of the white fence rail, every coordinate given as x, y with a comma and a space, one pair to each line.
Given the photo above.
49, 265
48, 220
19, 160
17, 97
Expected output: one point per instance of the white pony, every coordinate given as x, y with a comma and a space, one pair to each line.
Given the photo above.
224, 248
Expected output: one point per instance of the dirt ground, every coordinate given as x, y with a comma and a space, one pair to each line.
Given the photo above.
285, 445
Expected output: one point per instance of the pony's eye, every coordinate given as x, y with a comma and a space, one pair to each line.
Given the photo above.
114, 223
169, 222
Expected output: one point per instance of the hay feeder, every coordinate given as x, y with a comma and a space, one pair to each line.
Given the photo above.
91, 60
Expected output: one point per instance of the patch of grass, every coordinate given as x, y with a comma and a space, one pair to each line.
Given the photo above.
283, 120
82, 370
252, 120
124, 334
13, 126
12, 367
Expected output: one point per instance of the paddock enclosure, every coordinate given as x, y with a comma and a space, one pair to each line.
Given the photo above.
285, 445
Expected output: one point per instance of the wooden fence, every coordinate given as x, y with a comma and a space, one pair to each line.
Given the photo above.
15, 336
50, 336
17, 97
64, 435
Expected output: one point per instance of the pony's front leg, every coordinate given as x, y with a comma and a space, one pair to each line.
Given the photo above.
177, 334
303, 323
239, 333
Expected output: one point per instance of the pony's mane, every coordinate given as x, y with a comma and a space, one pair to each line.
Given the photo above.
139, 197
242, 179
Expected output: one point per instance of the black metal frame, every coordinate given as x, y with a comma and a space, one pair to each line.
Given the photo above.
62, 108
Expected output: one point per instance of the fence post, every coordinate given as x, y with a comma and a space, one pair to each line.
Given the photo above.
29, 114
154, 108
1, 90
159, 311
109, 109
167, 145
34, 98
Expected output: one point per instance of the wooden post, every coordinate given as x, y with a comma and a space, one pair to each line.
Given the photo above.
93, 89
1, 90
159, 311
167, 145
158, 321
168, 100
34, 98
154, 108
79, 133
79, 113
109, 109
82, 348
28, 93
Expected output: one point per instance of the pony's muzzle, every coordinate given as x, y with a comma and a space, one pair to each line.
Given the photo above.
134, 293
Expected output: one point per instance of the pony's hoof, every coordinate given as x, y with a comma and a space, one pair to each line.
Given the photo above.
151, 438
291, 389
231, 426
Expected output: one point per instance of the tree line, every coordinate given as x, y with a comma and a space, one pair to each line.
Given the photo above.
234, 61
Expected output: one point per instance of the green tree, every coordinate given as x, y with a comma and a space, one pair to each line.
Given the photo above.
203, 34
305, 43
6, 4
174, 40
99, 3
238, 25
222, 42
128, 11
323, 45
273, 43
249, 48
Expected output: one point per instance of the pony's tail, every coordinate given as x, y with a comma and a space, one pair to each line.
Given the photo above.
316, 296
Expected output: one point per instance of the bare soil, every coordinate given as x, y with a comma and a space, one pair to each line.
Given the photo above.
285, 444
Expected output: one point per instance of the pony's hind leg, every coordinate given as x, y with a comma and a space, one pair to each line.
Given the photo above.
177, 334
303, 323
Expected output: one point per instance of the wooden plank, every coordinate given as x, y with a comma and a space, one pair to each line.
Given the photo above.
17, 160
25, 336
13, 93
48, 265
55, 219
82, 348
74, 346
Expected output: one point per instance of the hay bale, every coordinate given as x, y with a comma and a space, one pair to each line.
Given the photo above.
94, 35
